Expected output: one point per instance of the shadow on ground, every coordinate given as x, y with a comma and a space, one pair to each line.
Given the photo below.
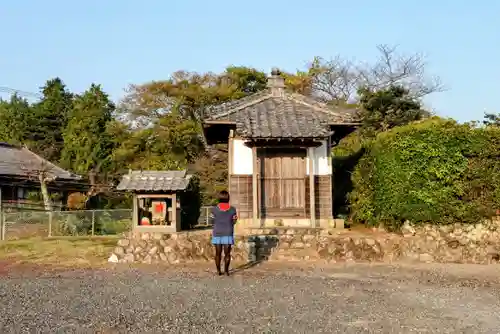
246, 266
260, 248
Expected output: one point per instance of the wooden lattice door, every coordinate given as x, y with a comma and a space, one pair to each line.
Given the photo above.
282, 182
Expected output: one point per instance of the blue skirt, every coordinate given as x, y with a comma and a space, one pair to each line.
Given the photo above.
225, 240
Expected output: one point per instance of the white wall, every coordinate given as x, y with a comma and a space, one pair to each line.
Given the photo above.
243, 164
242, 158
320, 160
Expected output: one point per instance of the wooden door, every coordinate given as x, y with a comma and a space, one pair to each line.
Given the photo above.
282, 182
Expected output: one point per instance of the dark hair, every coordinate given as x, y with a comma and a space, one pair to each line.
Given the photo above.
223, 197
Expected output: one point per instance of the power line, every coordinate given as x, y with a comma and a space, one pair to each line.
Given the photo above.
13, 91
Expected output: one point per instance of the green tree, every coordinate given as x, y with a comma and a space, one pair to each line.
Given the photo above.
87, 144
170, 143
188, 93
49, 119
15, 116
245, 80
491, 120
385, 109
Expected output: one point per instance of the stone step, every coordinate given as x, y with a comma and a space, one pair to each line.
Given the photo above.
283, 231
294, 254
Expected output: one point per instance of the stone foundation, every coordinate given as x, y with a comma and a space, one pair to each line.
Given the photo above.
171, 248
244, 225
457, 243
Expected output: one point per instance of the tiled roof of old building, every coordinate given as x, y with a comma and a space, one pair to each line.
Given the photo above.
277, 113
154, 181
18, 161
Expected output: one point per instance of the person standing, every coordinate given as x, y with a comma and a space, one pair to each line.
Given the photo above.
223, 217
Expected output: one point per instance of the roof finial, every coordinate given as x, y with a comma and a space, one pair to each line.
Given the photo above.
276, 83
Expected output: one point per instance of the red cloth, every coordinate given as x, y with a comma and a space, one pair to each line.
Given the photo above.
224, 206
159, 208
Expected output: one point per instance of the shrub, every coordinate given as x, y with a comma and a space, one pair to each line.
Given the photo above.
76, 201
432, 171
72, 225
112, 227
345, 158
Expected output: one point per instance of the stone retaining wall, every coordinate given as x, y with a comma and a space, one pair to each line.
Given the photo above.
455, 243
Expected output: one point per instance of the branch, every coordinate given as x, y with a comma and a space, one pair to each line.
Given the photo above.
339, 79
392, 68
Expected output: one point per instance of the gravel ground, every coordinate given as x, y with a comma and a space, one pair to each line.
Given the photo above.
268, 298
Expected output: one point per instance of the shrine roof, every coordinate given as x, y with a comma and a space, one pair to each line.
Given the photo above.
155, 181
278, 113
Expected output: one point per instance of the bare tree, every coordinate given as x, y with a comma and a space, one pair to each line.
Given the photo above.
392, 68
334, 79
339, 79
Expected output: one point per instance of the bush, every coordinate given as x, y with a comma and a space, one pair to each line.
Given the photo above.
76, 201
345, 158
433, 171
72, 225
113, 227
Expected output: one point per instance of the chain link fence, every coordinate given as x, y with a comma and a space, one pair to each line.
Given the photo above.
24, 224
29, 224
203, 220
91, 222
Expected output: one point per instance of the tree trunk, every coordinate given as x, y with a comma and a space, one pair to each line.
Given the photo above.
45, 192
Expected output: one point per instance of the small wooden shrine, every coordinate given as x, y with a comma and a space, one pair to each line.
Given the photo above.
279, 145
157, 199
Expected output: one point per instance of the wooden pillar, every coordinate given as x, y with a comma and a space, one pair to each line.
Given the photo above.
255, 182
174, 212
135, 211
312, 198
330, 167
230, 155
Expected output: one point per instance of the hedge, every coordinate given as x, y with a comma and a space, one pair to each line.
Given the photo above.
435, 171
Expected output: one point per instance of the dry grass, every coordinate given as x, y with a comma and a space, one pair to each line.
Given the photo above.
74, 252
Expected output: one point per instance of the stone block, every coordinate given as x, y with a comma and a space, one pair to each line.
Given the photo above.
113, 258
339, 223
119, 251
123, 242
129, 258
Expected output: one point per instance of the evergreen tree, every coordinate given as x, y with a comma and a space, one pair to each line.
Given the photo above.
87, 146
15, 117
49, 119
387, 108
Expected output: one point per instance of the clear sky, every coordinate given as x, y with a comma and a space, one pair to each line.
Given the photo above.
118, 42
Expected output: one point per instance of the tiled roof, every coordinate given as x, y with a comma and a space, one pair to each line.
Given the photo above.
20, 162
154, 181
277, 113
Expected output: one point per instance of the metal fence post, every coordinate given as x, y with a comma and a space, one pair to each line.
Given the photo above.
93, 222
